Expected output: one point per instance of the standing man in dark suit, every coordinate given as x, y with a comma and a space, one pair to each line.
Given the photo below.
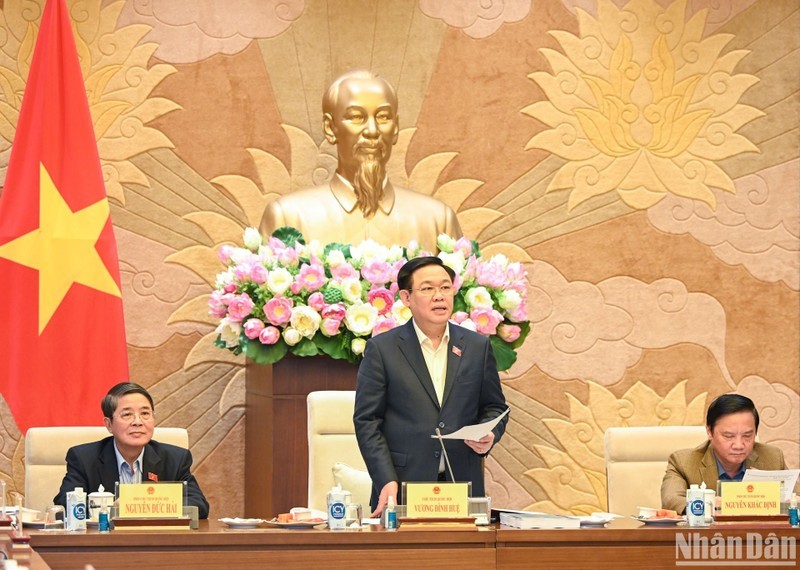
129, 455
424, 375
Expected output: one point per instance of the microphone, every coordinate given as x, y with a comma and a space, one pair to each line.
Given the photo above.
446, 458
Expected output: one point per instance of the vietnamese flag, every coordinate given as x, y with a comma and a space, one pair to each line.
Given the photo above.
62, 335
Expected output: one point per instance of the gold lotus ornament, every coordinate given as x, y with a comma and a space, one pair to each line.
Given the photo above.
642, 104
119, 80
574, 478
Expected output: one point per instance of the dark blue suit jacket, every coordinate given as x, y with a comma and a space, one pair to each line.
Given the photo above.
396, 409
91, 464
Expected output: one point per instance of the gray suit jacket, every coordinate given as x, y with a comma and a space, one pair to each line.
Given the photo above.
693, 466
396, 409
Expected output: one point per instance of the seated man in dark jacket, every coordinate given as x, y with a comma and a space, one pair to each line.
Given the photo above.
129, 455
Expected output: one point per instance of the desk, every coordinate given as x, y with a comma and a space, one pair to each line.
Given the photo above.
624, 544
214, 546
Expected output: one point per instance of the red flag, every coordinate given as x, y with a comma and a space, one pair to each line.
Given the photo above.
62, 336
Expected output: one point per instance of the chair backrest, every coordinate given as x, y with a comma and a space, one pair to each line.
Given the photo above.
332, 440
636, 459
46, 452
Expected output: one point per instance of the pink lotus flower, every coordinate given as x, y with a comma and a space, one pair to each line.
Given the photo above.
334, 311
485, 319
242, 271
239, 307
288, 257
509, 333
330, 326
225, 253
463, 245
252, 328
278, 310
258, 274
276, 245
230, 288
343, 271
382, 325
311, 277
377, 272
490, 275
316, 301
395, 269
382, 299
520, 313
269, 335
459, 317
218, 304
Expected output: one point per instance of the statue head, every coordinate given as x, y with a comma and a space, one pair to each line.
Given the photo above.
360, 118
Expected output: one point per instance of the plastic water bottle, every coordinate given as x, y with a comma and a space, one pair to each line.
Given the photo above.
337, 510
102, 520
794, 519
391, 515
76, 510
695, 506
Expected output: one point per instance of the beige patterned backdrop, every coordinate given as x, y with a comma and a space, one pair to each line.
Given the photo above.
642, 158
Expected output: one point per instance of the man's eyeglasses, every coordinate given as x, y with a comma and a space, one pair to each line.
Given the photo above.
128, 416
430, 291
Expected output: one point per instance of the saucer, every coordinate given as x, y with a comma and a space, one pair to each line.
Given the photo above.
662, 521
296, 524
241, 524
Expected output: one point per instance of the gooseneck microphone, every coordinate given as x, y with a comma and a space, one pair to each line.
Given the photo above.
446, 458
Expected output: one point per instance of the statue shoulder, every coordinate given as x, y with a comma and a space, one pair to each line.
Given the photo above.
301, 197
441, 215
407, 195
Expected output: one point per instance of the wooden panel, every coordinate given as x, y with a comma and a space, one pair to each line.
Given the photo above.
276, 436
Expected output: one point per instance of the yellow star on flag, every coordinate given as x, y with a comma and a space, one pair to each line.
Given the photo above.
62, 248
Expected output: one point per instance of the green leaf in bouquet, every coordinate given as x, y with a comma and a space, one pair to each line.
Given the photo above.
264, 353
305, 347
343, 247
525, 328
289, 236
337, 347
459, 304
504, 355
476, 250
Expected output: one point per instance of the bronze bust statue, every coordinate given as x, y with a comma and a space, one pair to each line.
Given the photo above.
360, 118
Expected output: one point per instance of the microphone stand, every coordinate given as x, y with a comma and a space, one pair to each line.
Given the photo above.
446, 458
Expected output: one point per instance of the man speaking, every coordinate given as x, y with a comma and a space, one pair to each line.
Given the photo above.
424, 375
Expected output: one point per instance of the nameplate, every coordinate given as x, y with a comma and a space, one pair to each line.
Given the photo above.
151, 500
437, 500
750, 498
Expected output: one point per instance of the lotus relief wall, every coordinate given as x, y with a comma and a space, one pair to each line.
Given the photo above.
640, 157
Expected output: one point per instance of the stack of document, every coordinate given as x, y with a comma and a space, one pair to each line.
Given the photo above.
526, 520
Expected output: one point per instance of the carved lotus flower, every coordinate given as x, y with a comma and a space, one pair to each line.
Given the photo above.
642, 104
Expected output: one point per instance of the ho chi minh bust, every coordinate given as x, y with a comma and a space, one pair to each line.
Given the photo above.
360, 118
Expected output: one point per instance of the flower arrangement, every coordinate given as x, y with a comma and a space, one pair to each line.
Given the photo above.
280, 295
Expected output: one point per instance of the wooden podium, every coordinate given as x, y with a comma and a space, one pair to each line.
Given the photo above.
276, 432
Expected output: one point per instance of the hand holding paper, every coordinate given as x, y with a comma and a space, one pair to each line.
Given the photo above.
475, 431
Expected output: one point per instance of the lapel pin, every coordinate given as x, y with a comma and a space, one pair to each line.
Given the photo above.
456, 350
152, 476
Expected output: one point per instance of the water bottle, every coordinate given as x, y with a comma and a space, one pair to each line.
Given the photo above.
102, 520
391, 515
794, 520
695, 506
337, 511
76, 510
